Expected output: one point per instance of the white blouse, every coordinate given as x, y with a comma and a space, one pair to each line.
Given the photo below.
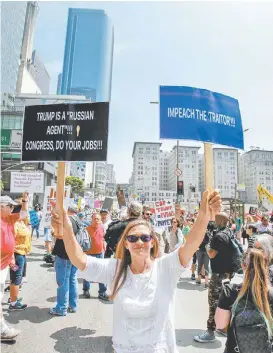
143, 319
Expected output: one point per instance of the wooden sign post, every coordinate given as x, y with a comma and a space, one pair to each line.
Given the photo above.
209, 176
60, 196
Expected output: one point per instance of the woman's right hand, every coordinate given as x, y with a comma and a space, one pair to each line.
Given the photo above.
56, 222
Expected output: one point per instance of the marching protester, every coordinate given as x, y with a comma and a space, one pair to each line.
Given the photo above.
105, 220
246, 309
66, 272
7, 244
264, 242
116, 229
220, 251
203, 257
48, 258
173, 237
142, 285
147, 214
83, 219
265, 226
22, 248
96, 233
35, 219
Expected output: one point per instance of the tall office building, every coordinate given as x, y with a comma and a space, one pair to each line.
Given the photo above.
39, 73
163, 170
256, 167
225, 164
59, 83
88, 60
12, 29
110, 174
88, 57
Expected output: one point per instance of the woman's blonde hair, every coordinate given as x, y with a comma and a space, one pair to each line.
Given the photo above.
256, 280
124, 256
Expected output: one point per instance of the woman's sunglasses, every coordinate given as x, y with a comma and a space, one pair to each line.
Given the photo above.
145, 238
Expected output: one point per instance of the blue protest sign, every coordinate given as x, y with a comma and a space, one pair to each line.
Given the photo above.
188, 113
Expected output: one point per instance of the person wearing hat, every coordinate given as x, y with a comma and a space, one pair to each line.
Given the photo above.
265, 226
66, 273
81, 216
8, 220
104, 214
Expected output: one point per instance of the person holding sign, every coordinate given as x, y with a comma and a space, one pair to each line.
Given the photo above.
143, 285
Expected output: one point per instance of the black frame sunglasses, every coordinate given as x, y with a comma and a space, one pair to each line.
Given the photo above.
145, 238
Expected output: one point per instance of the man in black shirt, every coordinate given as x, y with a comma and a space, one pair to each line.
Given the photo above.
66, 274
220, 252
116, 228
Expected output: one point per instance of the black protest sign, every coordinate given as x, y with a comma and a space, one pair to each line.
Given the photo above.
66, 132
107, 204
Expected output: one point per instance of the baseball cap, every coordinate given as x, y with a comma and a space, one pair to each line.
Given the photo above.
135, 209
72, 209
6, 200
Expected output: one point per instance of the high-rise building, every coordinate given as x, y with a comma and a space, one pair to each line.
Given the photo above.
225, 165
88, 60
225, 168
25, 82
88, 57
100, 177
110, 174
163, 170
146, 170
12, 29
256, 167
59, 83
39, 73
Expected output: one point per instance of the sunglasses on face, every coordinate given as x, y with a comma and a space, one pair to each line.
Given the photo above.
145, 238
148, 214
10, 206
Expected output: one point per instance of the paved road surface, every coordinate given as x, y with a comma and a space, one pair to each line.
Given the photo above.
90, 329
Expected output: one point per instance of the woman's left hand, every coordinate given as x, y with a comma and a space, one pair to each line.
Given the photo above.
211, 204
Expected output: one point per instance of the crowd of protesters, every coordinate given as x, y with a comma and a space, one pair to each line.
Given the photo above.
112, 250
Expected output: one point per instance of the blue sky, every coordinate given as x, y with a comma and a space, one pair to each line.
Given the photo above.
221, 46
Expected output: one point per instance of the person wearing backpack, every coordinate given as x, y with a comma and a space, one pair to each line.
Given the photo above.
247, 308
66, 273
96, 234
223, 254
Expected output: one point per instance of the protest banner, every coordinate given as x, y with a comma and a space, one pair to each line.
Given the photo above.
66, 132
121, 198
164, 212
33, 182
107, 203
50, 195
188, 113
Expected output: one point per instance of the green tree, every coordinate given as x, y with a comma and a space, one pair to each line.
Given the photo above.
76, 184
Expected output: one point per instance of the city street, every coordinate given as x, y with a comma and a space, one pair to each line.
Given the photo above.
90, 329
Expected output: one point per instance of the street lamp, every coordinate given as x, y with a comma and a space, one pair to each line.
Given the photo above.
236, 185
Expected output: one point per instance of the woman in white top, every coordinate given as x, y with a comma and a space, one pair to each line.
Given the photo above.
142, 285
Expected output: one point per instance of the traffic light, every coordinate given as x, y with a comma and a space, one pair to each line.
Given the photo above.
180, 188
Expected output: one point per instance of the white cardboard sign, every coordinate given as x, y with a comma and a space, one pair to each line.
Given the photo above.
33, 182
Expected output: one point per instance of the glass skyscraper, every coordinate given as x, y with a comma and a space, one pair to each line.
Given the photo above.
88, 57
12, 29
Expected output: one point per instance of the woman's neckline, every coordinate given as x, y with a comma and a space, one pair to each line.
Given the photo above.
142, 273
